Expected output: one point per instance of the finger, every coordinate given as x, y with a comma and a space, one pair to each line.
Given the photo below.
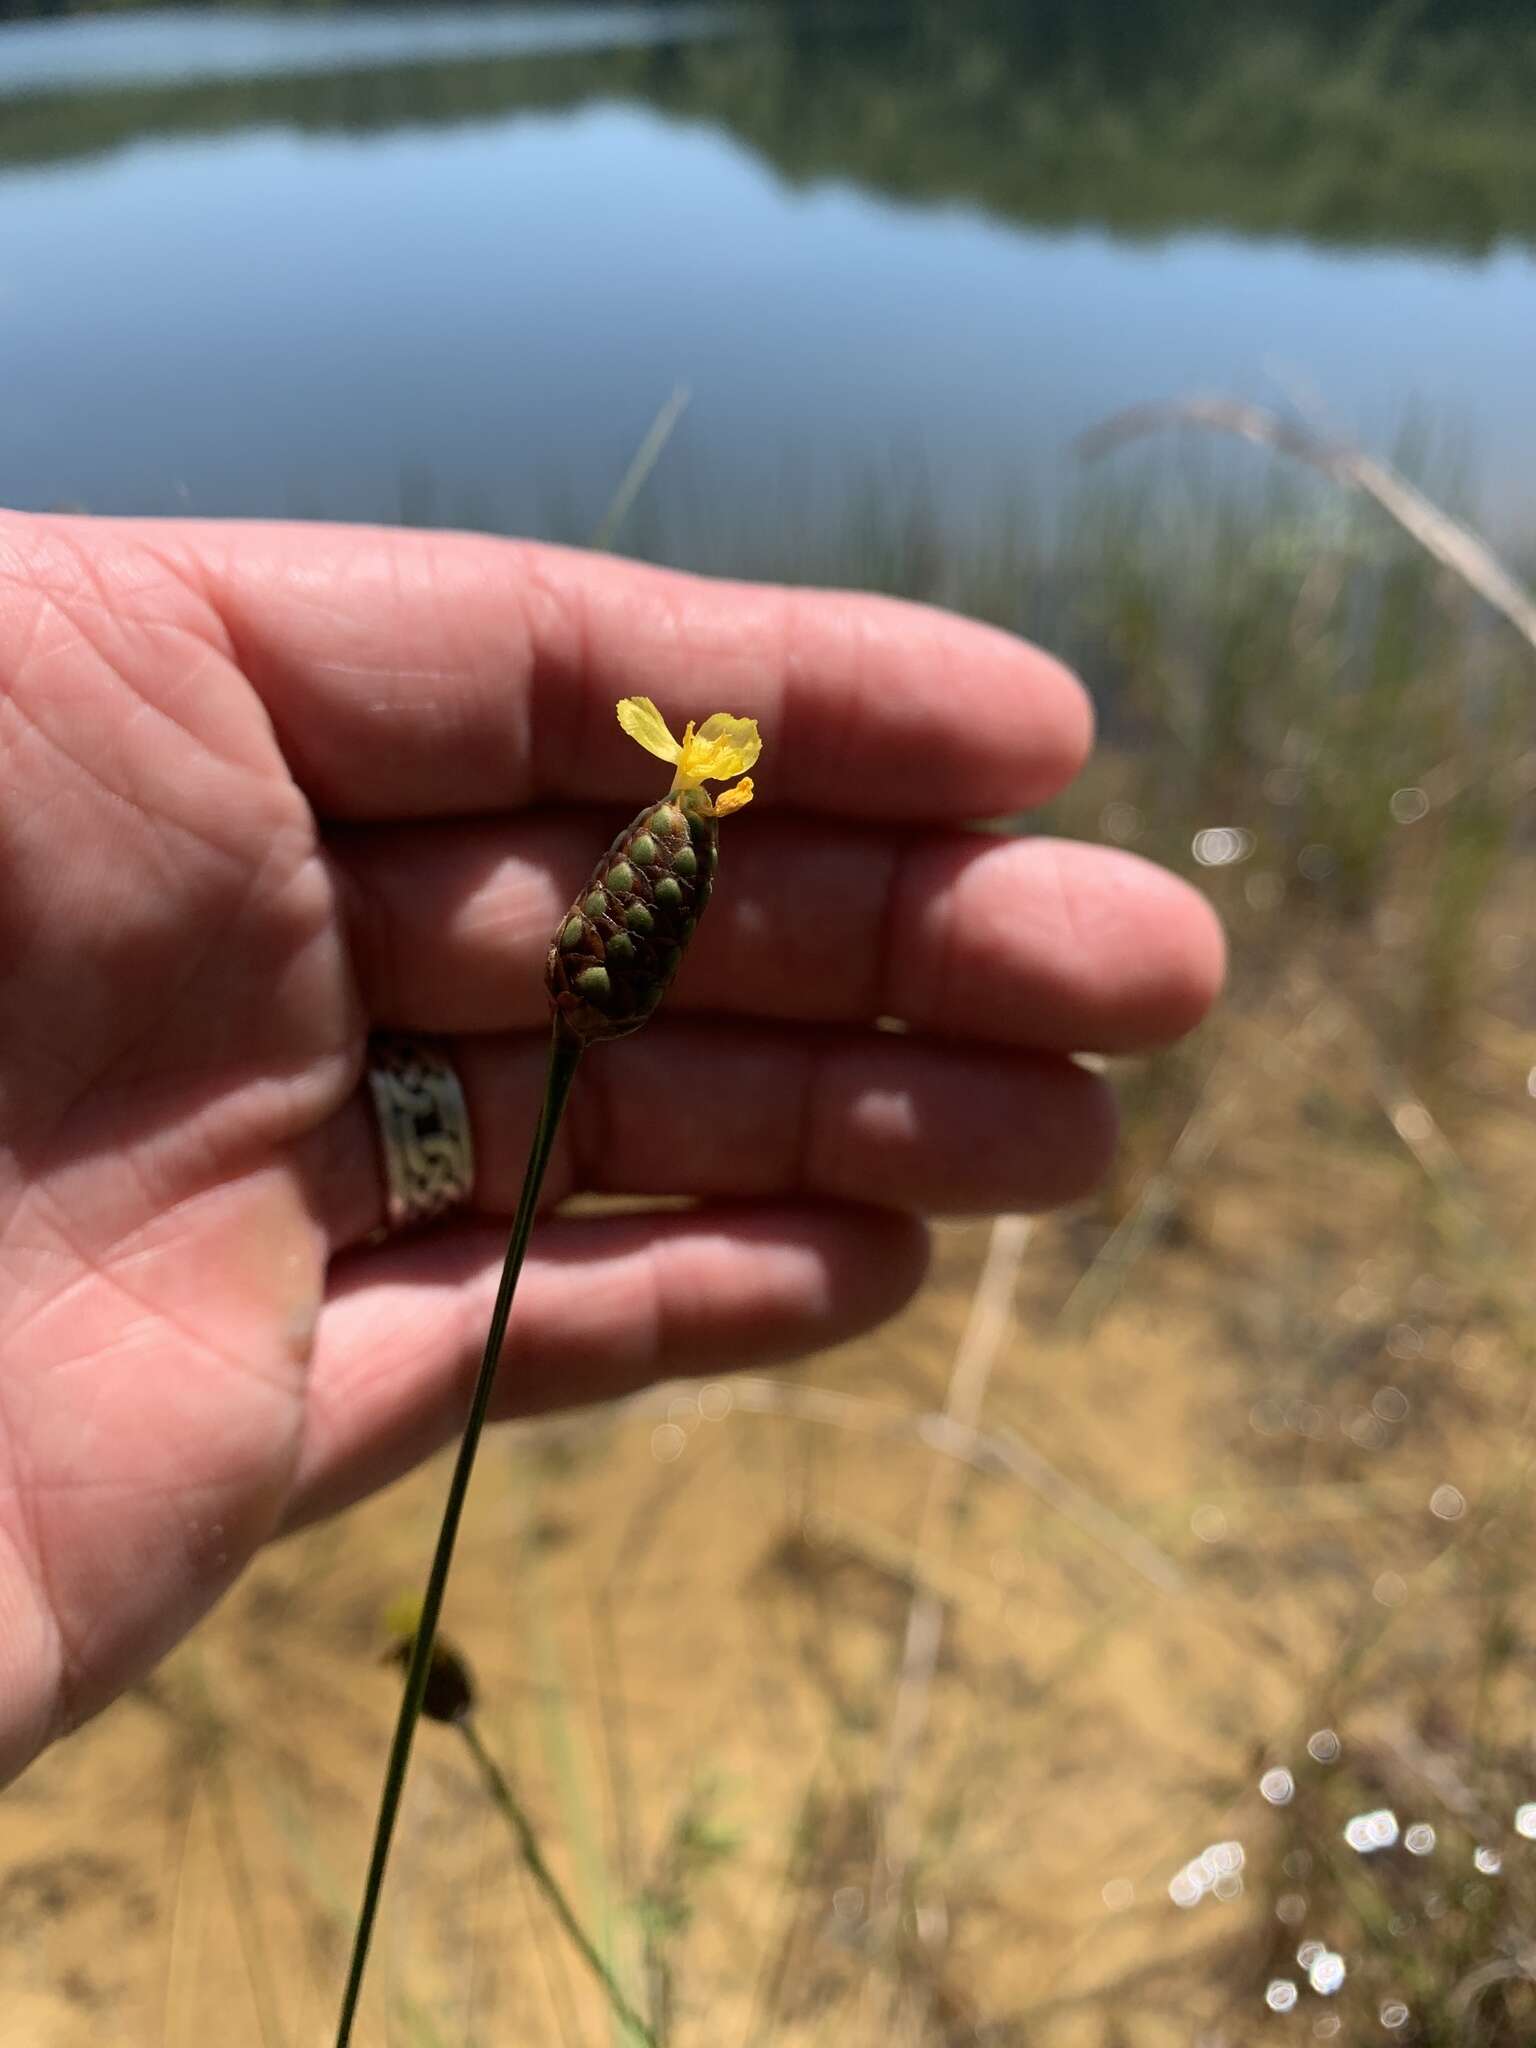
702, 1109
604, 1306
1039, 942
409, 674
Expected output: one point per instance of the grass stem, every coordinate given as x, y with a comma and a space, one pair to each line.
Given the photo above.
510, 1807
563, 1060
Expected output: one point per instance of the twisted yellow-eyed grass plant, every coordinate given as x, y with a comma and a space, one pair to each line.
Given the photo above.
610, 962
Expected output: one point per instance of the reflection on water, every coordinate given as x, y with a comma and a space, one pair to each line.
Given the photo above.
161, 47
327, 279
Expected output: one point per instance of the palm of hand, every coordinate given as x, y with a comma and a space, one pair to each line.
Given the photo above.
179, 1014
263, 790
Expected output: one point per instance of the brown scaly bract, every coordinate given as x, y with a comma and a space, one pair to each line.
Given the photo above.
621, 941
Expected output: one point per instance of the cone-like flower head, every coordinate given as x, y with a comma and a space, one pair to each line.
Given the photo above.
620, 942
721, 747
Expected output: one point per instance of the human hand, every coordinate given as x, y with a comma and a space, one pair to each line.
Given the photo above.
268, 788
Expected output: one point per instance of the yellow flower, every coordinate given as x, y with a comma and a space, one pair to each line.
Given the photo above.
722, 746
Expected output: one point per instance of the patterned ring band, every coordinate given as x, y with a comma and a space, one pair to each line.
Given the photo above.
424, 1136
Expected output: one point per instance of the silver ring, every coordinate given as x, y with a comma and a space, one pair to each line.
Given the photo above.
424, 1136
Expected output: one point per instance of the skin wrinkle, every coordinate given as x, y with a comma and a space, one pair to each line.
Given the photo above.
895, 886
811, 1071
427, 583
365, 924
30, 1492
257, 775
55, 745
134, 803
103, 1268
171, 995
36, 613
791, 739
645, 1329
332, 1398
228, 1165
861, 687
383, 932
192, 572
248, 654
586, 1131
90, 1264
73, 1657
108, 599
347, 1046
799, 1151
73, 1691
142, 706
213, 666
942, 972
255, 884
317, 1418
490, 691
660, 1326
55, 590
549, 682
1065, 902
189, 971
333, 600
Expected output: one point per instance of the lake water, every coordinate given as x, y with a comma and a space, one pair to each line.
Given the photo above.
448, 264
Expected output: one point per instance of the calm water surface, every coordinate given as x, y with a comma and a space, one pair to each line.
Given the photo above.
378, 266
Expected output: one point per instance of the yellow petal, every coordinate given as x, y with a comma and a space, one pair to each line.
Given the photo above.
735, 798
734, 739
643, 722
740, 734
723, 746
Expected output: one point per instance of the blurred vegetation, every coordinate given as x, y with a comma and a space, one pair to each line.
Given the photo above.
1276, 659
1386, 122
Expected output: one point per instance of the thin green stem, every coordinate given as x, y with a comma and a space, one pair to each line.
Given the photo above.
510, 1807
563, 1060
